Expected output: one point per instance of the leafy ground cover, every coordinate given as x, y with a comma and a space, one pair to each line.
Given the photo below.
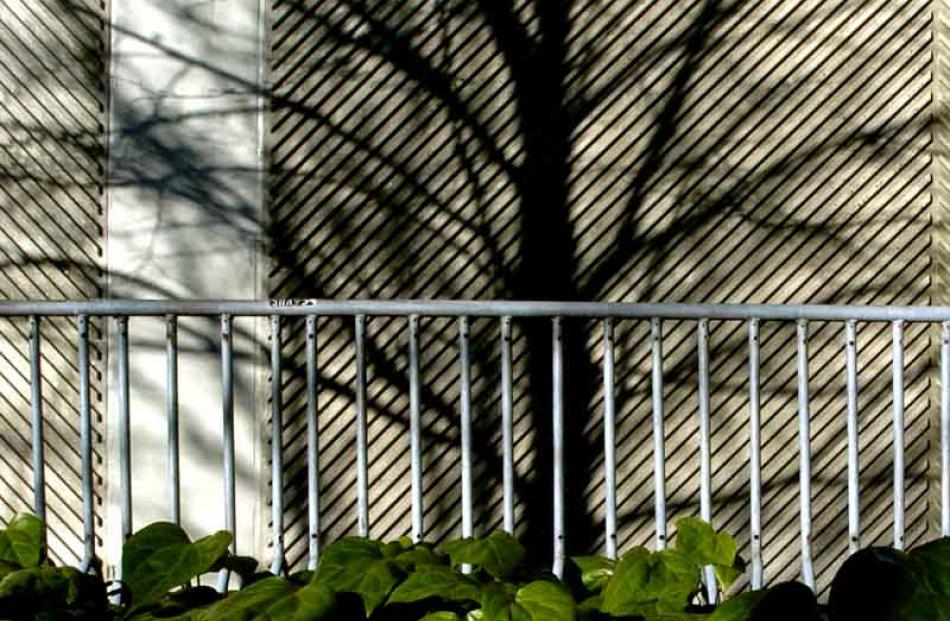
484, 579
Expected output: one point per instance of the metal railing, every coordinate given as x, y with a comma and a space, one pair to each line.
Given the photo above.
120, 311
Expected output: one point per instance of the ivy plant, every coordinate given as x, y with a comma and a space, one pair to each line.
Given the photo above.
472, 579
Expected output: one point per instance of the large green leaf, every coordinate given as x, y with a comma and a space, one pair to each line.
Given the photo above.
595, 571
313, 602
160, 557
674, 578
153, 537
499, 554
247, 603
645, 582
22, 542
701, 544
623, 591
930, 599
275, 599
355, 565
435, 581
546, 601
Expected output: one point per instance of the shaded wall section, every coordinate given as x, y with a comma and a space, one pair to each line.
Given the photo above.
761, 151
52, 168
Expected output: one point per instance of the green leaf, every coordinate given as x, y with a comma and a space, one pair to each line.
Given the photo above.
592, 603
160, 557
161, 615
930, 566
646, 582
310, 603
726, 576
701, 544
34, 581
418, 557
436, 582
499, 554
26, 592
248, 603
153, 537
498, 604
302, 578
738, 608
7, 568
442, 615
187, 604
675, 578
595, 571
355, 565
391, 549
546, 601
243, 566
347, 553
275, 599
622, 593
22, 542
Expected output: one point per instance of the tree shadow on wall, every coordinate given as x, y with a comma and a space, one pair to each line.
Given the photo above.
580, 150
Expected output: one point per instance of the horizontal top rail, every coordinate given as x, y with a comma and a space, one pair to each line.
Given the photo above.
480, 308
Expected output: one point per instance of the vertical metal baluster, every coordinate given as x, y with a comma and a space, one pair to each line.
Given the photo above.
705, 483
362, 484
755, 464
227, 410
125, 441
854, 492
276, 455
898, 399
507, 432
557, 385
659, 434
85, 441
466, 428
36, 402
415, 431
945, 430
313, 448
804, 452
610, 443
171, 414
